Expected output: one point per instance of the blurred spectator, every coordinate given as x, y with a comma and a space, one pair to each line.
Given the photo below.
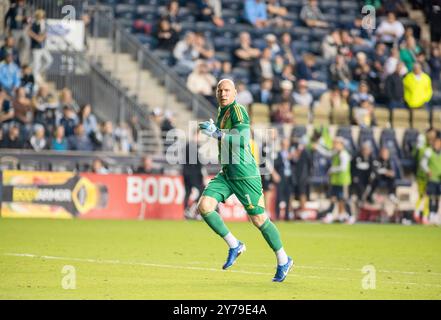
395, 6
361, 36
45, 108
285, 93
331, 45
98, 167
210, 10
38, 140
9, 74
22, 107
287, 48
390, 30
434, 20
362, 95
125, 138
12, 140
167, 37
69, 121
66, 99
302, 170
6, 110
384, 170
88, 120
265, 93
306, 70
278, 65
245, 54
16, 20
435, 67
244, 96
347, 45
417, 88
10, 48
394, 89
80, 141
185, 52
363, 72
172, 15
335, 99
28, 80
364, 114
287, 74
147, 167
312, 16
277, 13
41, 57
302, 96
255, 13
391, 64
204, 46
226, 71
380, 57
271, 43
263, 67
107, 138
168, 124
59, 141
409, 52
361, 168
421, 59
201, 81
284, 169
156, 118
341, 74
282, 113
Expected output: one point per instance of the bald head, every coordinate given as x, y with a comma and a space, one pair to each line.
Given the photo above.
226, 92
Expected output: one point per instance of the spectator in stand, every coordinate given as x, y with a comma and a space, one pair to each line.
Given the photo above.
185, 52
13, 140
245, 54
107, 138
335, 100
391, 64
265, 93
9, 74
285, 93
168, 124
287, 74
306, 70
38, 140
271, 43
421, 59
287, 48
361, 36
226, 71
80, 141
361, 170
16, 21
125, 138
22, 110
244, 96
417, 89
98, 167
10, 48
167, 37
28, 81
384, 174
341, 74
347, 45
331, 45
66, 99
312, 16
380, 57
282, 113
278, 65
45, 109
302, 170
362, 94
88, 120
409, 52
201, 81
390, 31
363, 72
147, 167
394, 89
277, 13
434, 20
210, 10
395, 6
364, 115
59, 141
303, 97
172, 15
6, 110
435, 67
41, 57
204, 47
255, 13
263, 67
69, 121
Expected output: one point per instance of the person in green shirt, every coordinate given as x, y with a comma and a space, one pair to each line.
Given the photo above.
240, 175
431, 165
339, 178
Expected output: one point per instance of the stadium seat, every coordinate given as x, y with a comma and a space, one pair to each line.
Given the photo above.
260, 113
321, 115
301, 115
388, 139
436, 119
340, 116
367, 135
346, 132
382, 116
409, 143
401, 118
421, 119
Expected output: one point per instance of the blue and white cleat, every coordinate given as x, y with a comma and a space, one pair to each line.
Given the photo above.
282, 271
233, 254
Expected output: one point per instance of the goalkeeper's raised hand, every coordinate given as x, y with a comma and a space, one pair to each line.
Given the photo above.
209, 128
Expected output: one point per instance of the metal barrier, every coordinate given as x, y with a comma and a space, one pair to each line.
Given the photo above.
105, 26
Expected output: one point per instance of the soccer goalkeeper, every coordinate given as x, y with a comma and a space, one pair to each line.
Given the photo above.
240, 176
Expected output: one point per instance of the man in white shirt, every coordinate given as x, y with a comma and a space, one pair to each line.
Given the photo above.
390, 30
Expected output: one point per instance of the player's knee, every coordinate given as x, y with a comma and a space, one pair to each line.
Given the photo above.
206, 205
258, 220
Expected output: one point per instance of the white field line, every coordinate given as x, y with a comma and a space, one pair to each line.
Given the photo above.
155, 265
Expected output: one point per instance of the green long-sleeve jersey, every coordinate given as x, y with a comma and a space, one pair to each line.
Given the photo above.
235, 155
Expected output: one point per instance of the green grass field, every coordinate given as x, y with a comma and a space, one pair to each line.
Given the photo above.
182, 260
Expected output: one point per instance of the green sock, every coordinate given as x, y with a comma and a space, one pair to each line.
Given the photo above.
271, 235
214, 220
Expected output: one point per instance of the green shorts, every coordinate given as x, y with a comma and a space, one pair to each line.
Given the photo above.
248, 191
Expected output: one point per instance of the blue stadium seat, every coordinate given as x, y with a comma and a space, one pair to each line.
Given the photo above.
367, 135
320, 167
346, 132
388, 139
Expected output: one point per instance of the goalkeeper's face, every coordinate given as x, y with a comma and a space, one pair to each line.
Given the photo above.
226, 93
